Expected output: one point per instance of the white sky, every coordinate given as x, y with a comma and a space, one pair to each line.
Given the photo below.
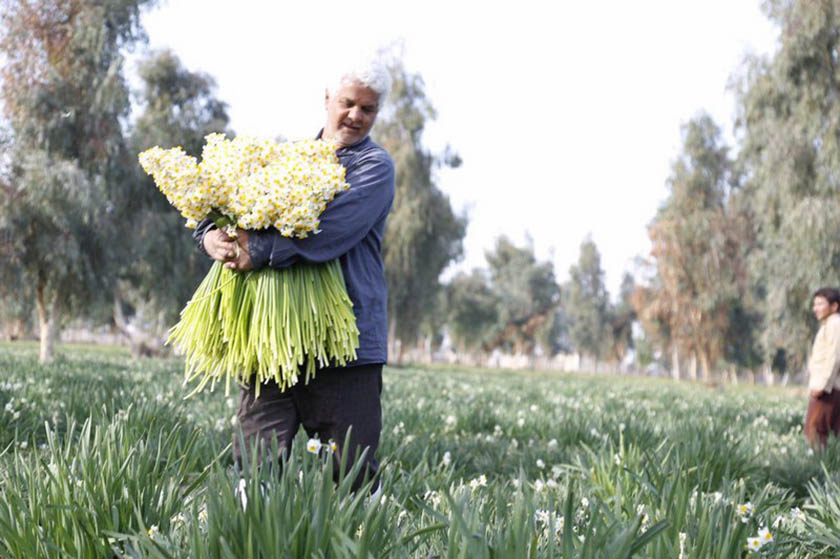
567, 114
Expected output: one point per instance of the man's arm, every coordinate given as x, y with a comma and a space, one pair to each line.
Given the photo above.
824, 361
198, 233
343, 224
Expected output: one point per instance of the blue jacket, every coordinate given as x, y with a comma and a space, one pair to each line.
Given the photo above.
352, 228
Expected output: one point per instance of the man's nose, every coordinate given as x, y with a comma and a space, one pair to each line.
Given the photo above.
355, 113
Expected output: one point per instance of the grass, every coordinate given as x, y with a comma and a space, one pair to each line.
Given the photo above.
101, 457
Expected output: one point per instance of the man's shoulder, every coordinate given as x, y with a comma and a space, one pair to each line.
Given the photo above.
368, 156
371, 151
832, 324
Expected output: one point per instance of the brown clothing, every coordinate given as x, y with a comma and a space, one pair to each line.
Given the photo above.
823, 417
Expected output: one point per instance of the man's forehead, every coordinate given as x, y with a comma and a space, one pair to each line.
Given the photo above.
357, 94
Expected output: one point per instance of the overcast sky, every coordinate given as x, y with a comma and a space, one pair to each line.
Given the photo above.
567, 114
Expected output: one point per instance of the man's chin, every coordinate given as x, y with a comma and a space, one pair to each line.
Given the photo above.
346, 138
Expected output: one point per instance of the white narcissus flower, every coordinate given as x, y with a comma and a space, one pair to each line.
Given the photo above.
313, 446
480, 481
765, 536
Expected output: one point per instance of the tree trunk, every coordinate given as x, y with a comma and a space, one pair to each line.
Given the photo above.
48, 322
692, 367
675, 363
733, 375
141, 344
704, 367
768, 376
392, 337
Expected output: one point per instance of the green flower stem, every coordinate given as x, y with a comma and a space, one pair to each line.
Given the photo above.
266, 324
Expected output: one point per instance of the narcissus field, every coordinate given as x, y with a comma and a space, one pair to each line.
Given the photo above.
101, 457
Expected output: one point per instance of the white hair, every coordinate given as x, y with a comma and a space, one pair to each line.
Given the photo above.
370, 72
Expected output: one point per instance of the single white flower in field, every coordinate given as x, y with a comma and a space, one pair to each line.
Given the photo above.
640, 510
432, 497
242, 491
542, 516
24, 444
621, 427
556, 472
617, 459
229, 403
745, 511
552, 444
753, 544
154, 532
797, 513
534, 408
480, 481
451, 421
584, 502
520, 422
234, 421
540, 464
810, 452
332, 446
313, 446
765, 536
539, 485
551, 484
683, 538
447, 458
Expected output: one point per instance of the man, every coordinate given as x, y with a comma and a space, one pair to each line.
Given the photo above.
352, 228
823, 415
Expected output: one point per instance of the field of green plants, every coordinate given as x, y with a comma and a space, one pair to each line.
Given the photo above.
100, 457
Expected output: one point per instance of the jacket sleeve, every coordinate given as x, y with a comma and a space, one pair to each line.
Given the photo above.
198, 234
347, 219
822, 366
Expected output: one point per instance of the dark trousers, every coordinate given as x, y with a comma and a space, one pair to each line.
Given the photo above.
823, 417
335, 400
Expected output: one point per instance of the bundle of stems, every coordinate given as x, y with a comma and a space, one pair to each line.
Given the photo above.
266, 325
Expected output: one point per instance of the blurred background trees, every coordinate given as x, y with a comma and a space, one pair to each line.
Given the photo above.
746, 233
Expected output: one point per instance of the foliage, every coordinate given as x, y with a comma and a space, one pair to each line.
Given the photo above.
474, 464
424, 235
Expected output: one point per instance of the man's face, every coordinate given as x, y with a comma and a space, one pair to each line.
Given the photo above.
351, 112
822, 309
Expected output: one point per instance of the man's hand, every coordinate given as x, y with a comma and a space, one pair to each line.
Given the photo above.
816, 393
220, 246
241, 260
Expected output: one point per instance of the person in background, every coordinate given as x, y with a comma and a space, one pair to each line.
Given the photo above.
823, 415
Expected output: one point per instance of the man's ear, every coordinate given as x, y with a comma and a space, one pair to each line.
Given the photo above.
835, 307
326, 97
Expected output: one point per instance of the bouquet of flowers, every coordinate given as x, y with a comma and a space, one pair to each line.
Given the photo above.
266, 323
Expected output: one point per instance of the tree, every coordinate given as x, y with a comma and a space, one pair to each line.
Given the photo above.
64, 97
788, 117
472, 310
620, 319
423, 235
527, 295
587, 303
696, 246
